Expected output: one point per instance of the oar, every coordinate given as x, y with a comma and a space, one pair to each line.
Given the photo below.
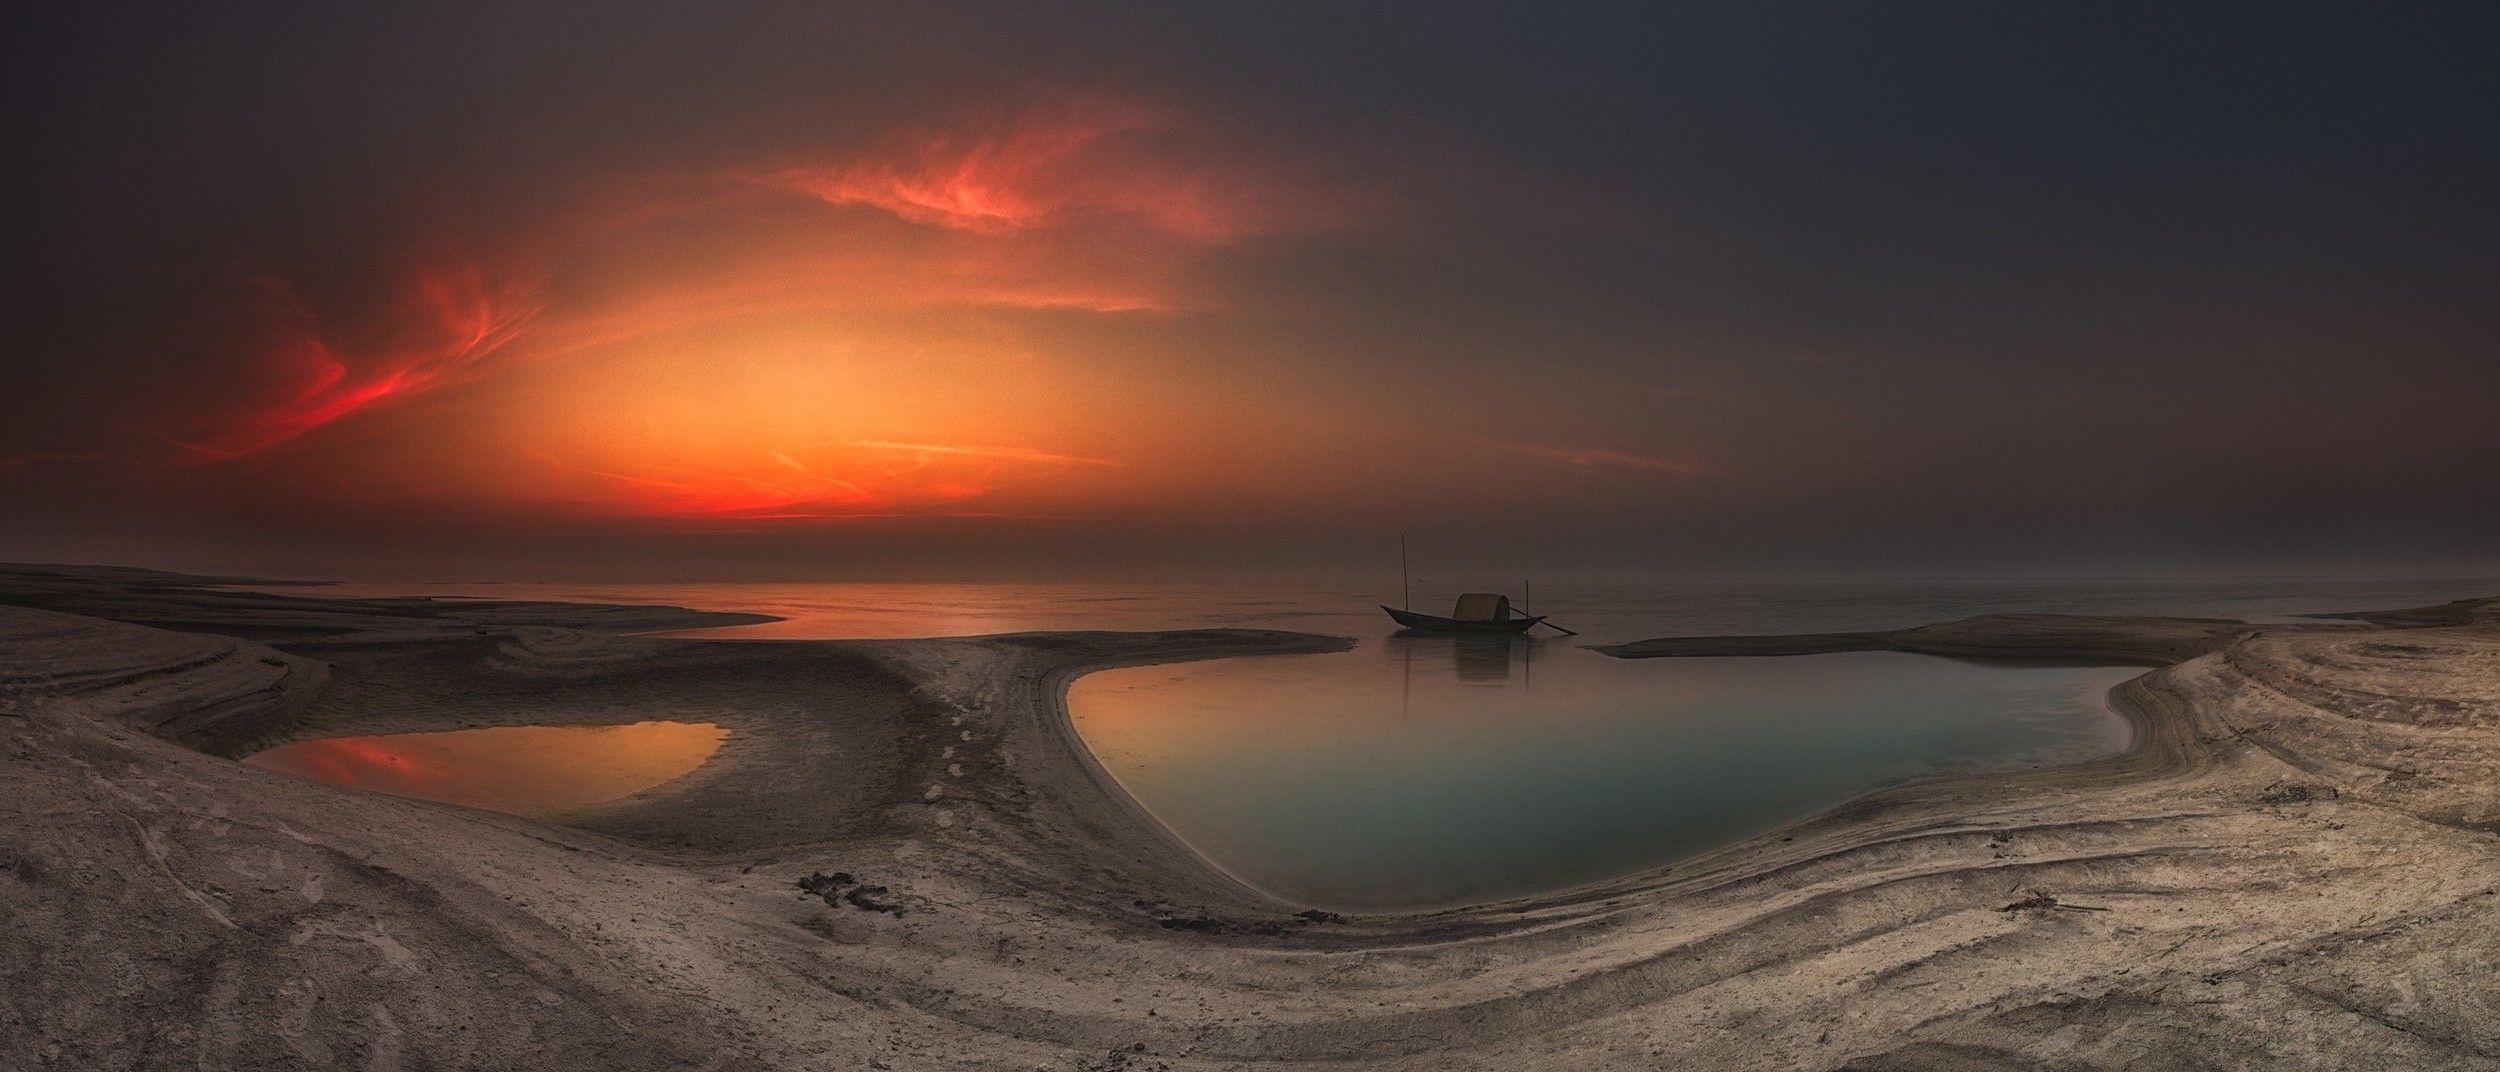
1528, 589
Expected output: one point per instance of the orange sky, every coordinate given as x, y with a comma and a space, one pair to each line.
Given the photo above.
916, 329
569, 290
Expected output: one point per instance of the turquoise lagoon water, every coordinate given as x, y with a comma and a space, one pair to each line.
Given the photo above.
1427, 771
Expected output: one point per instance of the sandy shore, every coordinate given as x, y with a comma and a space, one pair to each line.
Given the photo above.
2295, 866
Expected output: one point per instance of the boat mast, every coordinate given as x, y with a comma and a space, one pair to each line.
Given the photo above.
1406, 589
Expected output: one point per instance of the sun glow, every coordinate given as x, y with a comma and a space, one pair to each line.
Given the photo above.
840, 481
911, 329
799, 419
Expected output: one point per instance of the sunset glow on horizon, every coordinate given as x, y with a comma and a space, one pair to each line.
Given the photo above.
840, 291
697, 368
1130, 536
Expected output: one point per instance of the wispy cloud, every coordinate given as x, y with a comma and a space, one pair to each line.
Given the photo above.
1606, 458
1073, 208
1012, 454
1005, 179
1062, 160
438, 334
1089, 205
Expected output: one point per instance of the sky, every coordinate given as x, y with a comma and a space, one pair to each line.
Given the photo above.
744, 291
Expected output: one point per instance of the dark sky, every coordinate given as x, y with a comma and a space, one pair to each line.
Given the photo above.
622, 291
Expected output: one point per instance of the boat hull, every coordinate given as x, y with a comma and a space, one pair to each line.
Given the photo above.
1427, 623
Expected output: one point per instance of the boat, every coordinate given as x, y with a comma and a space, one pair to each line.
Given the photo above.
1477, 612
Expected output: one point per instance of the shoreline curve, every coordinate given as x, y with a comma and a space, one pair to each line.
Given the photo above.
2289, 866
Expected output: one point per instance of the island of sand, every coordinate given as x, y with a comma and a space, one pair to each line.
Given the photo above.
903, 859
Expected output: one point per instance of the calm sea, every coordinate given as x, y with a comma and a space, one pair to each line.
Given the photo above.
1602, 613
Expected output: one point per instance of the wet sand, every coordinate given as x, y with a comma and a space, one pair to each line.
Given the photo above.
903, 858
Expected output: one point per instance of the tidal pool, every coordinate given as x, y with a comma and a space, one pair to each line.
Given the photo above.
522, 770
1417, 772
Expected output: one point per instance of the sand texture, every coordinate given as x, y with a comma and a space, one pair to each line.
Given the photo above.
2295, 866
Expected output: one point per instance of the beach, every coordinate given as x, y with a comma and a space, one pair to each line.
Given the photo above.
903, 857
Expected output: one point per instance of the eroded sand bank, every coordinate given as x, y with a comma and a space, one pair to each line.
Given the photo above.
2294, 867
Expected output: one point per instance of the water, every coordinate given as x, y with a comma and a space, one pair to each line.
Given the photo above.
1413, 772
1602, 613
523, 770
1428, 771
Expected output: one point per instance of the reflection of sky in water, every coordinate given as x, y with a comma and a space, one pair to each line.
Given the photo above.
1602, 613
524, 770
1423, 771
1417, 771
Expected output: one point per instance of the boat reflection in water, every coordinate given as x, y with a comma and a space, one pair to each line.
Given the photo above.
1472, 660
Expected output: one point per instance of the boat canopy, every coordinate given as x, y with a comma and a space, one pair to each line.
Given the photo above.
1482, 607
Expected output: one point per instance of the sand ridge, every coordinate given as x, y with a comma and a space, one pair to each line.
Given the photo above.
2294, 867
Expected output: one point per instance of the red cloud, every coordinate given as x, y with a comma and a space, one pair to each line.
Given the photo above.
1091, 206
448, 321
1052, 165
